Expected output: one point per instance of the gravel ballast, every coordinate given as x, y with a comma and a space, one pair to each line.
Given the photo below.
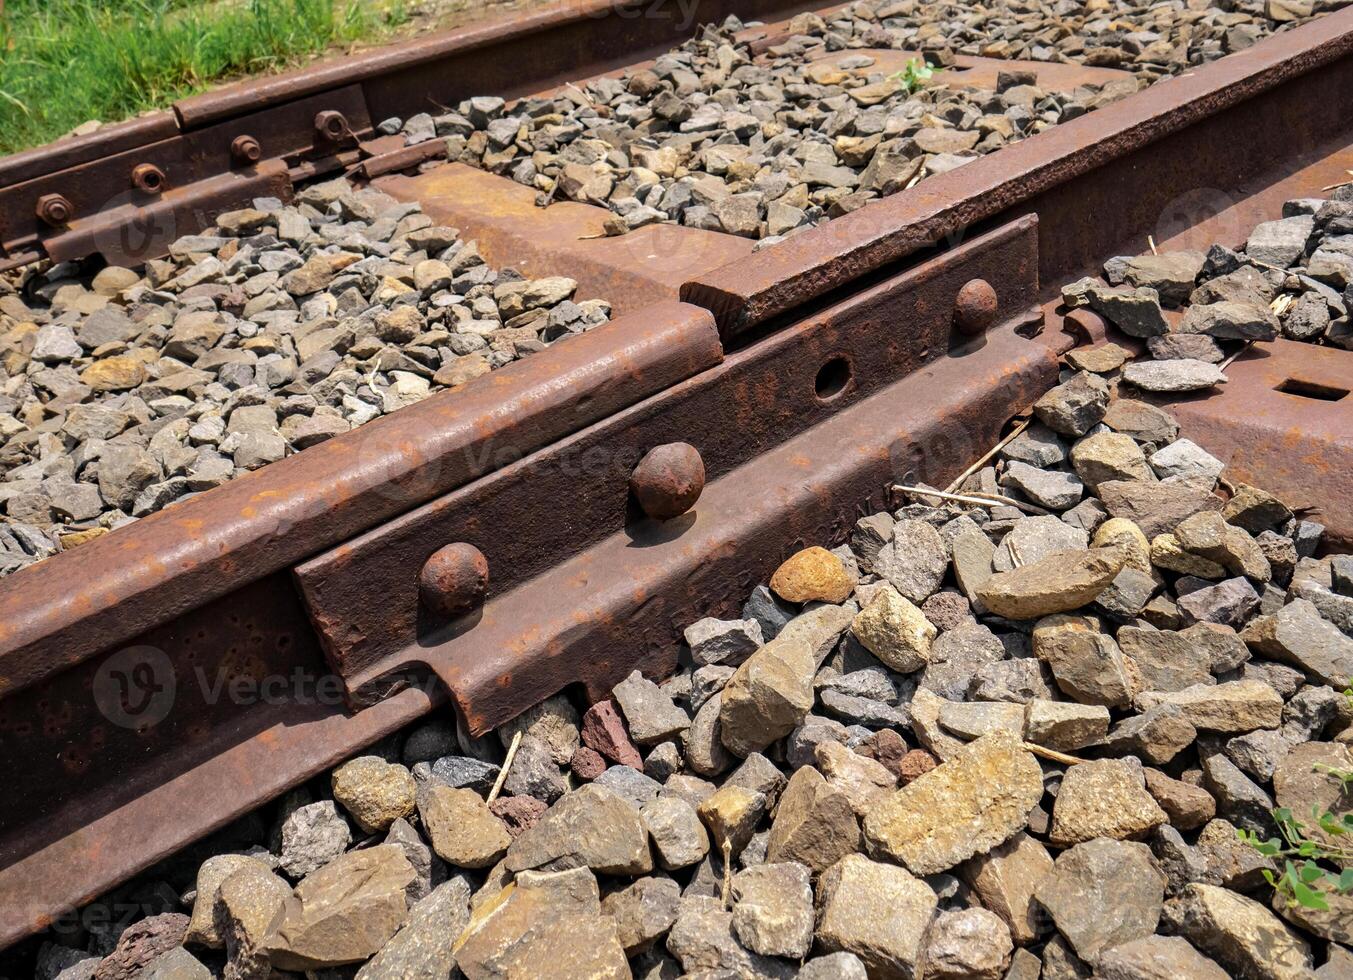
714, 136
276, 330
973, 742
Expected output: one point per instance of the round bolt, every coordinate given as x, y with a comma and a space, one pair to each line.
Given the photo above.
975, 308
148, 178
331, 125
55, 210
246, 149
668, 480
454, 580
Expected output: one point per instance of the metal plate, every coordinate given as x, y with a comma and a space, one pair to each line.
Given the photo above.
201, 181
630, 271
753, 402
1284, 422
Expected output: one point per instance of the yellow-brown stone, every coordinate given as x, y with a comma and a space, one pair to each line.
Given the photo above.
812, 575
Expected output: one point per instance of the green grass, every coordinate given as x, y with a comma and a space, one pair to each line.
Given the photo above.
63, 62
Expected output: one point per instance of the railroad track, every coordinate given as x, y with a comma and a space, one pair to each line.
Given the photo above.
741, 402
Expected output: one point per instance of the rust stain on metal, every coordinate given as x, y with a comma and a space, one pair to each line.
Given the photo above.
634, 588
54, 210
816, 415
148, 178
246, 150
975, 307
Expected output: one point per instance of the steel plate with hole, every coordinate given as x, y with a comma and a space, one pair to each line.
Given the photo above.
1284, 422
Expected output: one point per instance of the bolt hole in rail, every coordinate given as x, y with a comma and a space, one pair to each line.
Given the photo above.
739, 402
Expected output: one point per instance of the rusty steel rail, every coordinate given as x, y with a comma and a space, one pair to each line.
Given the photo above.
805, 377
1099, 182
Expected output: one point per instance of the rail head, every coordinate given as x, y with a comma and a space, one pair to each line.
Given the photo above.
68, 608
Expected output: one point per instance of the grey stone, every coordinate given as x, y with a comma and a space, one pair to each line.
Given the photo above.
1037, 446
589, 827
1103, 798
1052, 489
534, 772
876, 911
459, 772
702, 939
1229, 603
1165, 660
1102, 893
1182, 375
719, 641
643, 911
1034, 538
968, 943
833, 966
914, 561
1185, 459
679, 838
419, 948
312, 836
1242, 935
1280, 243
1231, 321
1187, 346
629, 784
1070, 409
768, 611
1156, 958
1135, 311
1298, 635
767, 696
1157, 735
1171, 274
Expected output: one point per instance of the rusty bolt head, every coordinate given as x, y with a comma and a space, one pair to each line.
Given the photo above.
331, 125
975, 308
55, 210
246, 149
148, 178
454, 580
668, 480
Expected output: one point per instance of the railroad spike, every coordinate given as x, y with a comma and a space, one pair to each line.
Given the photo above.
668, 480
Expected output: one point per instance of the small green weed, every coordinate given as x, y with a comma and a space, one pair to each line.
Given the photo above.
916, 74
1307, 875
